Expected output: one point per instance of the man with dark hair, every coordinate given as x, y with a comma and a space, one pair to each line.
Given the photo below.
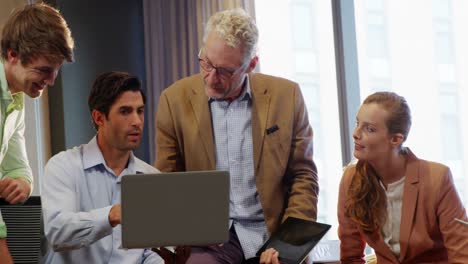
35, 42
81, 186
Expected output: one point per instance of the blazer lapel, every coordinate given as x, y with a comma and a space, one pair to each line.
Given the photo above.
201, 111
410, 198
260, 107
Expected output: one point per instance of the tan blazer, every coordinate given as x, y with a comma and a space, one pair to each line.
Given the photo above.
428, 232
285, 174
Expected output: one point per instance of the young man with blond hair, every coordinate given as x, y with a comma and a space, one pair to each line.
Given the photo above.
35, 42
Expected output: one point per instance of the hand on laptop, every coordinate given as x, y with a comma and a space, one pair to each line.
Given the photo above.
269, 256
179, 256
115, 215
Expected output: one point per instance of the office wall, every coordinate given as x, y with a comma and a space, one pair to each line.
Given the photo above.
108, 36
6, 6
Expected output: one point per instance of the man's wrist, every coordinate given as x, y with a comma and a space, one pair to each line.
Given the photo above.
28, 182
114, 215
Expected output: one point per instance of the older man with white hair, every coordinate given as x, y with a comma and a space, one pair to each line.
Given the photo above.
253, 125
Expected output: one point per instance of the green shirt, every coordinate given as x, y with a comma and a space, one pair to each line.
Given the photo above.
13, 159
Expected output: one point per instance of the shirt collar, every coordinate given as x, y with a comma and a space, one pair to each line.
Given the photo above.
17, 103
245, 95
92, 157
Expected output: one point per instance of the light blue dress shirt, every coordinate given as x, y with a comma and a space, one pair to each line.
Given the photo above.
78, 191
232, 127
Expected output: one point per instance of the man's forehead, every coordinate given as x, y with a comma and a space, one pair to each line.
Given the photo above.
222, 56
42, 61
129, 98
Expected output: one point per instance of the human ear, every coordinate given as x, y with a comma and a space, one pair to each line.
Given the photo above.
397, 139
252, 64
12, 56
98, 117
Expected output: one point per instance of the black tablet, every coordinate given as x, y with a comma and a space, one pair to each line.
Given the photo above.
294, 239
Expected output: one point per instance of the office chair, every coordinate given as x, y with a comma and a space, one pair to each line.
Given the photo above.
24, 229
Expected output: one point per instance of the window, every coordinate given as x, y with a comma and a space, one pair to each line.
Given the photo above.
418, 49
299, 47
423, 48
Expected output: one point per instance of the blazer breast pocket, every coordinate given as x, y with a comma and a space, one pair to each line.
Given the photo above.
277, 147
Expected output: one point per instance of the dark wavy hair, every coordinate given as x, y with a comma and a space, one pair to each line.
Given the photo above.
108, 87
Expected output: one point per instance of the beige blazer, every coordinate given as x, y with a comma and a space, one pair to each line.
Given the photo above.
428, 232
285, 174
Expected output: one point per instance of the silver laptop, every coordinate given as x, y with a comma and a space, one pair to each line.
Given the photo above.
177, 208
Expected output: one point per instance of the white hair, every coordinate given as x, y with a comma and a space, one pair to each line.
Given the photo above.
237, 28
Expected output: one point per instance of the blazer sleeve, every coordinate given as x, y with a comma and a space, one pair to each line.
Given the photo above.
352, 243
455, 234
168, 154
302, 201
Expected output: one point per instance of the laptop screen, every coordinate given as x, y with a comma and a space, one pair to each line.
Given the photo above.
177, 208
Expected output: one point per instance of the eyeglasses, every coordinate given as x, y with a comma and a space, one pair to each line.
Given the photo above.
221, 71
